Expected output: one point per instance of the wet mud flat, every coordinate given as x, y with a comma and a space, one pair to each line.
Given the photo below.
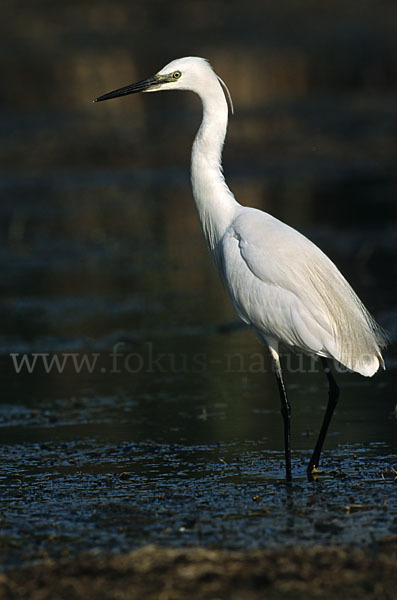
154, 572
141, 495
225, 535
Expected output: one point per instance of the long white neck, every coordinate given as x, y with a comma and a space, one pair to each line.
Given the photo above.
215, 203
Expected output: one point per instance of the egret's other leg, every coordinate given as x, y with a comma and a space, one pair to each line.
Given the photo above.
333, 395
285, 409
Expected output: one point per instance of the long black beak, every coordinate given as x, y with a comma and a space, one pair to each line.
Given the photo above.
141, 86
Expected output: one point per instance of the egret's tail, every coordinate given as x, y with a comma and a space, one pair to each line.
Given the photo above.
357, 339
369, 365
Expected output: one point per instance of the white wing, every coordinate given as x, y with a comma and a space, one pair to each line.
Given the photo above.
288, 289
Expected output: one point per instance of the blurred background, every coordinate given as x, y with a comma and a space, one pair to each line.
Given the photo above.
100, 242
101, 245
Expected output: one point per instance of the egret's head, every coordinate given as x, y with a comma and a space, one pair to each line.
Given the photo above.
189, 73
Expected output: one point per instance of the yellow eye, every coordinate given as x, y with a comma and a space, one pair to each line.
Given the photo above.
176, 75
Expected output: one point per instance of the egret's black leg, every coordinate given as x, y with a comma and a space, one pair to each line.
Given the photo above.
285, 411
333, 395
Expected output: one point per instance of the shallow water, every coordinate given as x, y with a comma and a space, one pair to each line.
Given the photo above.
172, 441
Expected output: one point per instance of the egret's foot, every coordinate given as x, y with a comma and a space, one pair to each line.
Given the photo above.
316, 470
313, 473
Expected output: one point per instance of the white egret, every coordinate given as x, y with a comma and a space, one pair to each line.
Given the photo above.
279, 282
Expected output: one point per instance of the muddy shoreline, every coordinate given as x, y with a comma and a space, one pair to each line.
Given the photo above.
154, 572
